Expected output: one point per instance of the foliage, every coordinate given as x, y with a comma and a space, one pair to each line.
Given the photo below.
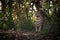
27, 25
19, 14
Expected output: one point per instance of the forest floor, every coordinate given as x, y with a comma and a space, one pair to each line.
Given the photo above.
25, 35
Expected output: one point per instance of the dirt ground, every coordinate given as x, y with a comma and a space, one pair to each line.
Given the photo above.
23, 35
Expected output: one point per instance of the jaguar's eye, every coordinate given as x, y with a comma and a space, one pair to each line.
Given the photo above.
37, 16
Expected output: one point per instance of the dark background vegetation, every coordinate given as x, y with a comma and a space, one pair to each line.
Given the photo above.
20, 15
